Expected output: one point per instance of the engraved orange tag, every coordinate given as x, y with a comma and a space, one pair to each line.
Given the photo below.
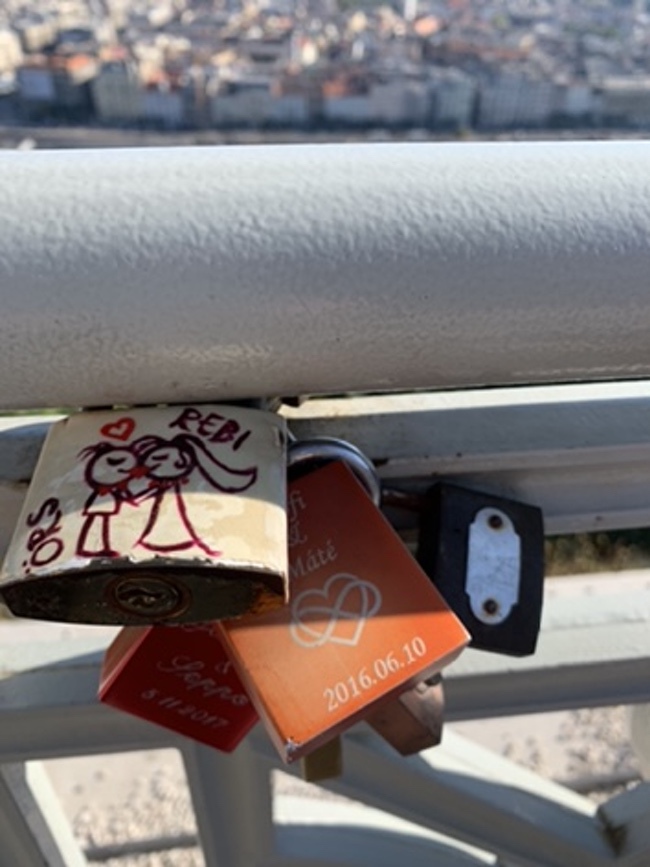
364, 622
181, 678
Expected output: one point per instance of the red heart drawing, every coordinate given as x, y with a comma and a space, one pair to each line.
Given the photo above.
118, 430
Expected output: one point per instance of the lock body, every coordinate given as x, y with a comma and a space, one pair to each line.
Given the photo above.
323, 763
156, 515
178, 677
486, 556
413, 722
363, 625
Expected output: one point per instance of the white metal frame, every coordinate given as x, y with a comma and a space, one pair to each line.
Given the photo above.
48, 709
249, 272
481, 808
215, 274
580, 452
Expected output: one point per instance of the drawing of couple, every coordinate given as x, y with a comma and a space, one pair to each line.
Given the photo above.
153, 470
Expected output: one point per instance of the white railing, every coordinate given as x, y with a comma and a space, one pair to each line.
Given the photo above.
194, 274
140, 277
545, 444
594, 654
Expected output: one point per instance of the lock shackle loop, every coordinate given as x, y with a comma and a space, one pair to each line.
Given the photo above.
333, 449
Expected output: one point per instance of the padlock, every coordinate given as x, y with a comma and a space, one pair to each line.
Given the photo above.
157, 515
486, 556
323, 763
364, 623
414, 722
305, 456
178, 677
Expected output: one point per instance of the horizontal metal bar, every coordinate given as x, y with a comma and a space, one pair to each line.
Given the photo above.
317, 833
193, 274
468, 793
323, 832
580, 452
145, 846
335, 846
591, 653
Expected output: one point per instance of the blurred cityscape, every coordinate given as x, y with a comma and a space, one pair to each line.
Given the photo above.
443, 65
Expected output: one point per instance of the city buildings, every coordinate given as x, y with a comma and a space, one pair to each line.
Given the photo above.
448, 65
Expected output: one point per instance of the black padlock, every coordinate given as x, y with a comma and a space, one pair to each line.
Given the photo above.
485, 554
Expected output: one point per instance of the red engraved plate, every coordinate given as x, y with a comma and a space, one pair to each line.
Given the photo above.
364, 622
181, 678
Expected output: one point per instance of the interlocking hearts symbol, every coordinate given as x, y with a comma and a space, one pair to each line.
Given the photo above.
335, 614
119, 430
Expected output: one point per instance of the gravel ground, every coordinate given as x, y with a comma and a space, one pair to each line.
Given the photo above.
134, 796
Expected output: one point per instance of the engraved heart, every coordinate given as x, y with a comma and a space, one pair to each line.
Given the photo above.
335, 614
119, 430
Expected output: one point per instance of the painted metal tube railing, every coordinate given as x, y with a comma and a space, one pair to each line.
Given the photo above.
139, 276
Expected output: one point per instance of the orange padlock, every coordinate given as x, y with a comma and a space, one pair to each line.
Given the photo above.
364, 623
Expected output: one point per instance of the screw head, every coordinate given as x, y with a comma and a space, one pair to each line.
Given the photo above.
491, 607
495, 521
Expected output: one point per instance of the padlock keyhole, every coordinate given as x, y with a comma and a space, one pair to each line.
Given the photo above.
148, 596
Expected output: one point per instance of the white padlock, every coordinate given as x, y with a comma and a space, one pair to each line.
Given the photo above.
153, 515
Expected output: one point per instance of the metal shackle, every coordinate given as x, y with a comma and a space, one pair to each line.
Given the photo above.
322, 449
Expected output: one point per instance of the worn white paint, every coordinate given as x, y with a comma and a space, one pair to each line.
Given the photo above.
139, 276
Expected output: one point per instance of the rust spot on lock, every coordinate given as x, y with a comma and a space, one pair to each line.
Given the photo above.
264, 600
148, 595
